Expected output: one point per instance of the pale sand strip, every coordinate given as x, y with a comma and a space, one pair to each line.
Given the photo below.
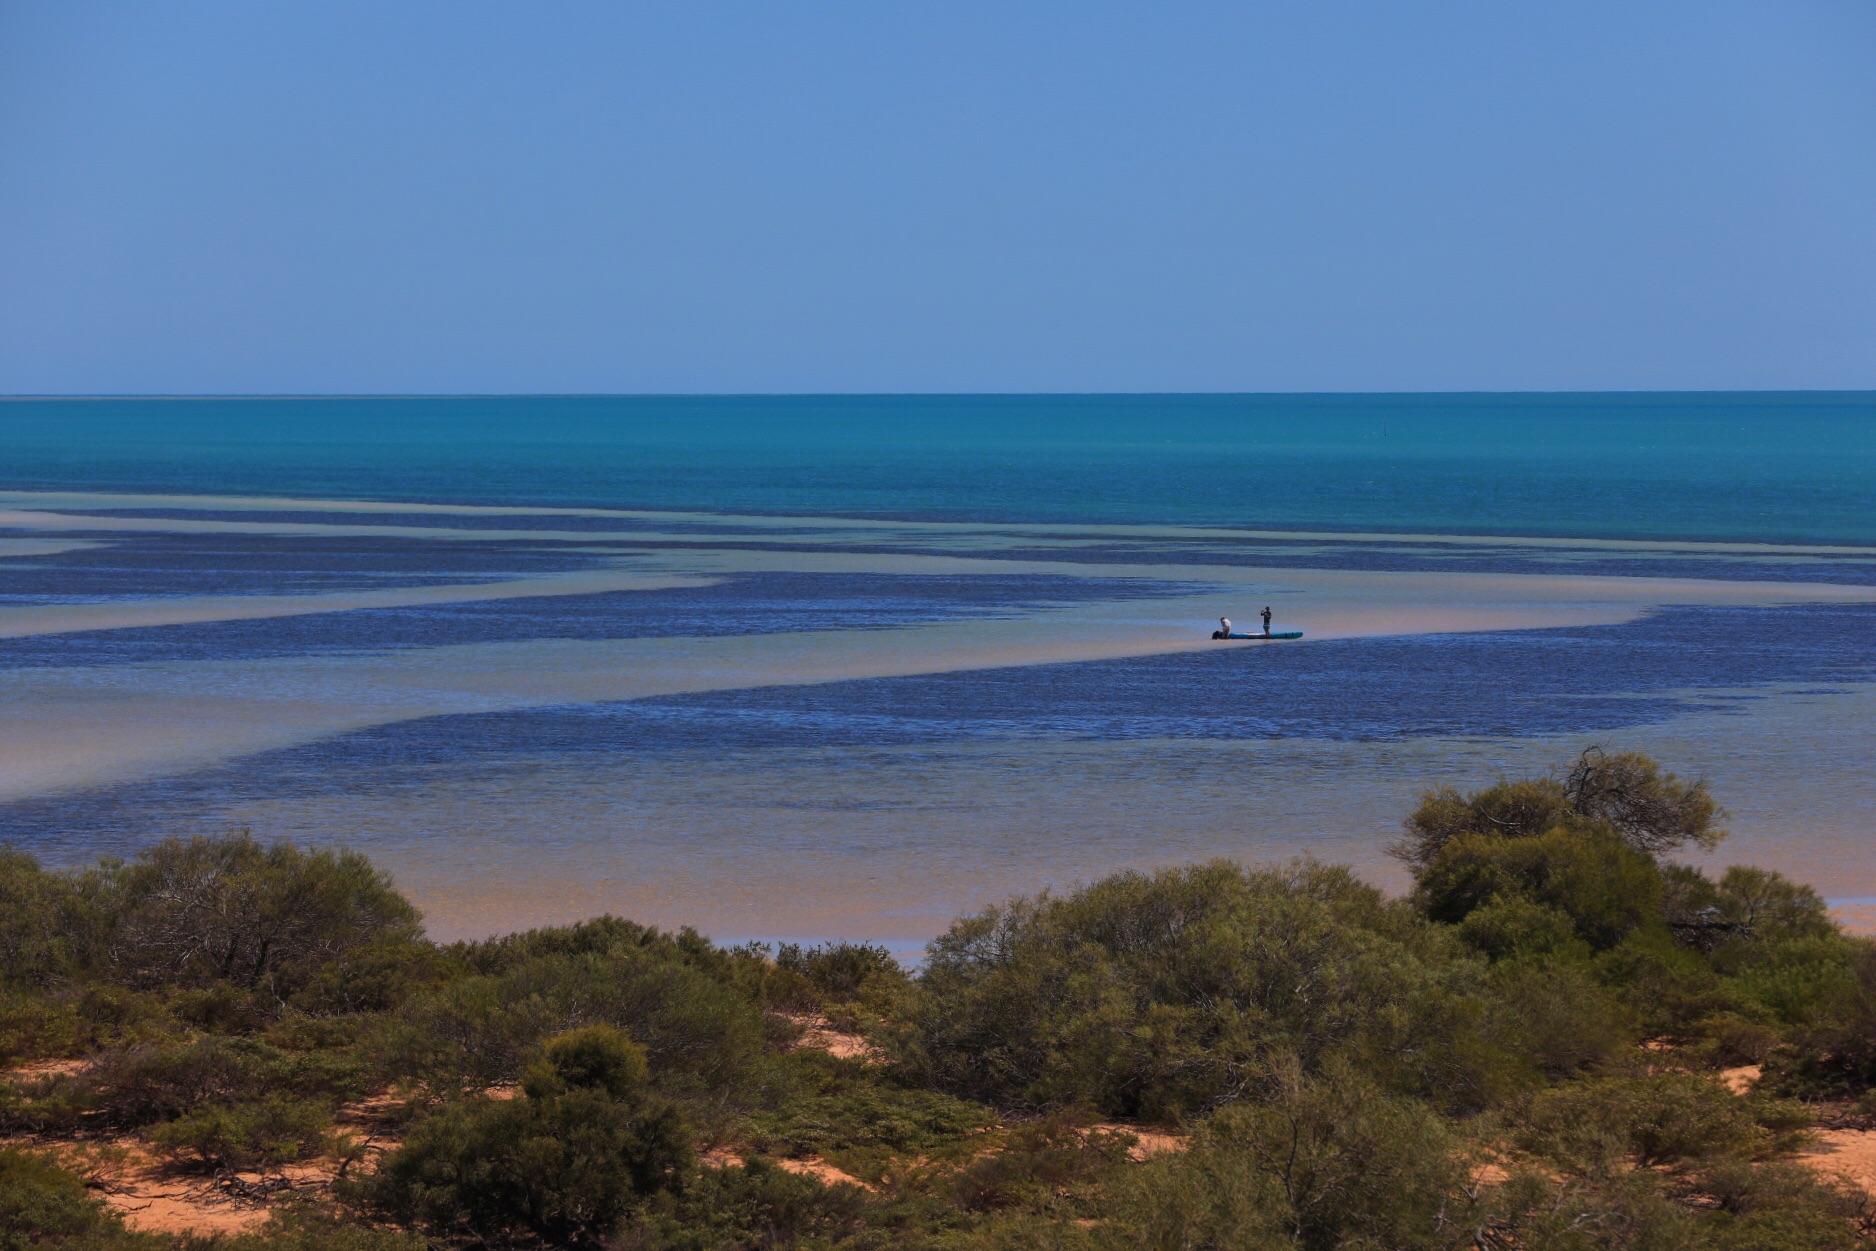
73, 727
197, 609
105, 500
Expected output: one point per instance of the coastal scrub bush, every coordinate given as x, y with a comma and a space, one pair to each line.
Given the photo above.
865, 1116
149, 1083
839, 971
1164, 995
270, 1131
1507, 810
192, 913
46, 1208
39, 920
1651, 811
1835, 1057
564, 1163
738, 968
1324, 1163
1594, 1127
1781, 1207
755, 1204
700, 1033
1606, 888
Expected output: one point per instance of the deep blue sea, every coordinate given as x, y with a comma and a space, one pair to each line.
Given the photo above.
806, 667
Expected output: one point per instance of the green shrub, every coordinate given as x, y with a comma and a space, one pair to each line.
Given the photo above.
269, 1131
596, 1057
1553, 1018
565, 1163
1796, 981
1836, 1056
311, 1227
1324, 1164
1780, 1207
1669, 988
1591, 1128
1507, 810
754, 1205
1164, 995
45, 1208
153, 1082
1607, 889
1516, 928
1651, 811
699, 1033
1050, 1163
40, 917
867, 1116
839, 971
193, 913
37, 1025
566, 1169
1728, 1039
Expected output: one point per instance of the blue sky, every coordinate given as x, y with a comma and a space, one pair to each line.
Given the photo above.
464, 196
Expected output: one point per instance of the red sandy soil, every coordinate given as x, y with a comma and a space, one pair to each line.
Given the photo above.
1148, 1141
818, 1035
1848, 1153
812, 1166
157, 1194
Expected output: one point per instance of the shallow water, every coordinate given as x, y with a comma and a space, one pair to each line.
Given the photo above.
814, 668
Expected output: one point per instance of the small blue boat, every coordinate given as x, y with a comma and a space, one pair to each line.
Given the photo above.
1274, 634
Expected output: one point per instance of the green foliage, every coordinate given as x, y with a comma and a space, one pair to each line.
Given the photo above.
754, 1205
35, 1025
839, 972
265, 917
1035, 1165
1652, 809
699, 1031
228, 1089
1781, 1207
1593, 1128
1164, 995
1551, 1020
1836, 1056
40, 915
1517, 928
908, 1122
43, 1206
1630, 796
1340, 1061
269, 1131
566, 1168
311, 1228
1606, 889
595, 1057
1507, 810
1323, 1164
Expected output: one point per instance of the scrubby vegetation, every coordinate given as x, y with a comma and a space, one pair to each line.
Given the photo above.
1528, 1051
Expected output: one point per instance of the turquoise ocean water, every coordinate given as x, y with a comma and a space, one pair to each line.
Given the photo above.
816, 666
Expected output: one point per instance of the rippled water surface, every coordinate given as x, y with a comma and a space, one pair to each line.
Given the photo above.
809, 667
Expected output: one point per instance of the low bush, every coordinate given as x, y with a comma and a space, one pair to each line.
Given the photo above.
1166, 995
269, 1131
755, 1205
564, 1163
45, 1208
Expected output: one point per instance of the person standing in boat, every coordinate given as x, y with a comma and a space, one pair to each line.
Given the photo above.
1224, 628
1266, 616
